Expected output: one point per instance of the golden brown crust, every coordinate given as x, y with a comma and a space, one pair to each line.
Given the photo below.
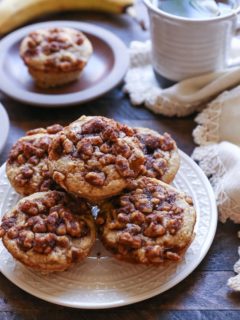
48, 231
161, 154
150, 223
27, 165
94, 157
53, 79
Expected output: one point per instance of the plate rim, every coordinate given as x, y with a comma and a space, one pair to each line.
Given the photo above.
144, 296
4, 130
113, 78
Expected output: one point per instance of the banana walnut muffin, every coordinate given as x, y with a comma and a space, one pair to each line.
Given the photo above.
48, 231
149, 223
95, 157
55, 56
27, 165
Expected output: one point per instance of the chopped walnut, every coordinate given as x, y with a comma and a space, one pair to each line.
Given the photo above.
26, 239
30, 155
55, 128
13, 233
46, 223
153, 252
127, 239
95, 178
29, 207
154, 147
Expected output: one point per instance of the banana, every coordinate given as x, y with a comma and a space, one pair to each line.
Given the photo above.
13, 13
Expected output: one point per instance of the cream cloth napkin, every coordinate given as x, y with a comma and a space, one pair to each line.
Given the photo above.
218, 129
181, 99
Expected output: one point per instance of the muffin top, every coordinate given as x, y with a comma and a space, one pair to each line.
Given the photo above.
27, 165
95, 157
56, 49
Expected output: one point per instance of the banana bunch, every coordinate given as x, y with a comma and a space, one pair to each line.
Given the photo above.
16, 12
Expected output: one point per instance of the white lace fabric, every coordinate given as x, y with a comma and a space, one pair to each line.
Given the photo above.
218, 134
221, 163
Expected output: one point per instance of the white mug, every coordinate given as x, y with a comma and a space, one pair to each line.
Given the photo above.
183, 48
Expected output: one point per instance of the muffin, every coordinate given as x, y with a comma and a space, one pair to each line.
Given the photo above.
161, 154
27, 164
55, 56
48, 231
149, 223
95, 157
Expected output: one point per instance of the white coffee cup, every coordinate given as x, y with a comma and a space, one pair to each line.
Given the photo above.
183, 47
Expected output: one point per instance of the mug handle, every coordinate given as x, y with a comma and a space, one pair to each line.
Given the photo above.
234, 61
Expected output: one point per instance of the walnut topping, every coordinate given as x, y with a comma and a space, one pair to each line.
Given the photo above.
63, 241
154, 230
28, 150
98, 143
29, 207
27, 172
44, 243
150, 208
47, 223
147, 223
26, 239
21, 159
95, 178
36, 131
153, 252
154, 147
13, 233
30, 156
123, 167
68, 146
127, 239
123, 218
172, 256
8, 223
55, 128
137, 217
52, 199
61, 229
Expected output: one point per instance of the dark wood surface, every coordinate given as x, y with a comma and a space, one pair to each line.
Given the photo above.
203, 294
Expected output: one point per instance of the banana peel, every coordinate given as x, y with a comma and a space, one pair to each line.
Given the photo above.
14, 13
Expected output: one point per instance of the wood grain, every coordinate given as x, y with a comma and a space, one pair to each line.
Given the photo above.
203, 294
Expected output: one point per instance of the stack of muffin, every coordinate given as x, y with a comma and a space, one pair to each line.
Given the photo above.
96, 161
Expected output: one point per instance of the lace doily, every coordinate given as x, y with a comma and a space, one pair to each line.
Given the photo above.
219, 160
220, 120
179, 100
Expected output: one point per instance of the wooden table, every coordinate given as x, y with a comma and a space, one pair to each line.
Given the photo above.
203, 294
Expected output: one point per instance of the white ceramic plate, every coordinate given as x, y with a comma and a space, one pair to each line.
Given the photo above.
105, 69
4, 126
104, 282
